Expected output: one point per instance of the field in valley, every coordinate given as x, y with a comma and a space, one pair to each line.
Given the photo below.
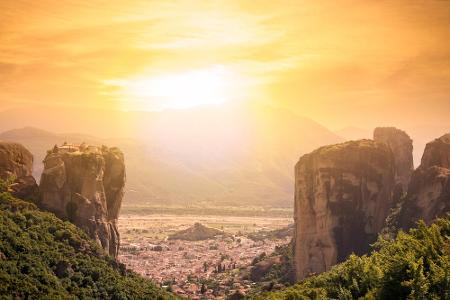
207, 210
158, 226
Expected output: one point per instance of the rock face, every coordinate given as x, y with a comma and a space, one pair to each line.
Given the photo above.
16, 164
260, 269
402, 147
85, 185
343, 194
429, 191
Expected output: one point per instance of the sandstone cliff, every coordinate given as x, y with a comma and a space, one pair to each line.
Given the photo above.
401, 146
429, 191
84, 184
16, 165
343, 194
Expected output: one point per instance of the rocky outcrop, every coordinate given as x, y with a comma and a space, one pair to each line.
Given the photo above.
401, 146
85, 185
262, 268
343, 194
429, 190
437, 153
16, 167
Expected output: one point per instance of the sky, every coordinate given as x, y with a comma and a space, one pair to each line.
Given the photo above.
341, 63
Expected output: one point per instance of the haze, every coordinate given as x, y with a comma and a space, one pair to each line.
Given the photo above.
346, 63
208, 90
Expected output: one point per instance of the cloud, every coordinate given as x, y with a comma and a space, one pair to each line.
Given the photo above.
307, 56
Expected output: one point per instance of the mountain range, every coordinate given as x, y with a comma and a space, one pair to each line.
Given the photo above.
212, 155
203, 156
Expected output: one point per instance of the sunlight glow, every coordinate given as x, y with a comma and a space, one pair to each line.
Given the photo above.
180, 90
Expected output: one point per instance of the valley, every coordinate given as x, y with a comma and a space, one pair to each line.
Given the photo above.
185, 266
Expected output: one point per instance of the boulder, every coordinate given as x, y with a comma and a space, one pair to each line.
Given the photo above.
429, 190
16, 167
343, 194
85, 185
401, 146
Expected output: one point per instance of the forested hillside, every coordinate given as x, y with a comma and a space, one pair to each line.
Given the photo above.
414, 265
44, 257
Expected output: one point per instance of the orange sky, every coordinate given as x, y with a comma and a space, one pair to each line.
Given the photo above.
342, 63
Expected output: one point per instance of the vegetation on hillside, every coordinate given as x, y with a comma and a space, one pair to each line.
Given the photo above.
414, 265
44, 257
277, 274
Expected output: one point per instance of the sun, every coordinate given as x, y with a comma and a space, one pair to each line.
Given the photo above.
187, 89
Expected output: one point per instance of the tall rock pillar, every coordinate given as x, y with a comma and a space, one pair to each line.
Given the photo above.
85, 185
343, 194
429, 190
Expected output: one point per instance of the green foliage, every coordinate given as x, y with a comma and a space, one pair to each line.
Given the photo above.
42, 257
414, 265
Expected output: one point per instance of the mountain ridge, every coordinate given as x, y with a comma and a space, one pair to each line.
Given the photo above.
227, 157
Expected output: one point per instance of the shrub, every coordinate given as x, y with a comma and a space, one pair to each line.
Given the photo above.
413, 265
43, 257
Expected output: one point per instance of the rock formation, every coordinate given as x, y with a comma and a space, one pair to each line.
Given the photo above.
429, 190
16, 166
402, 147
343, 194
84, 184
260, 269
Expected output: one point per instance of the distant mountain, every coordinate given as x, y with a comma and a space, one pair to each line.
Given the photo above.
38, 141
203, 156
149, 179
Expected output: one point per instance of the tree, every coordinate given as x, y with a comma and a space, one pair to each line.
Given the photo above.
203, 288
236, 296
